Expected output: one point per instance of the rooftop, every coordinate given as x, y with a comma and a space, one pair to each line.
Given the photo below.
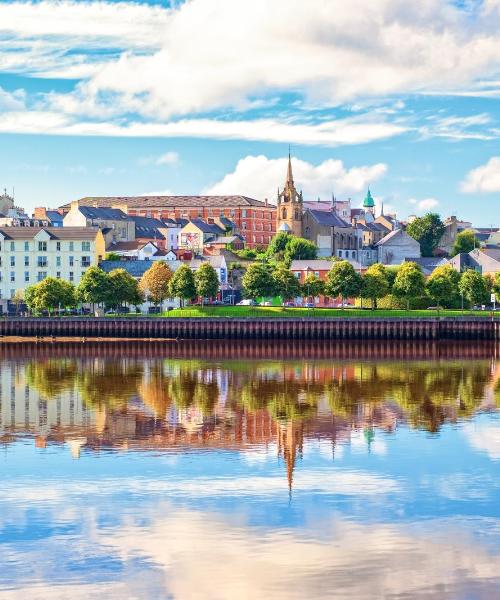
173, 201
56, 233
104, 212
327, 218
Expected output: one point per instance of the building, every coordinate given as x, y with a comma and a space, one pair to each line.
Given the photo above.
428, 264
255, 220
397, 247
137, 250
289, 210
30, 254
52, 218
331, 234
164, 234
196, 234
486, 261
116, 225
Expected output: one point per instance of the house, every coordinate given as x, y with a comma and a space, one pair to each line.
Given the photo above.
218, 262
330, 233
485, 260
165, 235
371, 232
137, 250
115, 224
396, 247
428, 263
196, 234
53, 218
30, 254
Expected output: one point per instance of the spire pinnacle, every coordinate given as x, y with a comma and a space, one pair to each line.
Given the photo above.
289, 174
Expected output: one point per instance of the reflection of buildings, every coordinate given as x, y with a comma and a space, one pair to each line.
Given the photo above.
127, 404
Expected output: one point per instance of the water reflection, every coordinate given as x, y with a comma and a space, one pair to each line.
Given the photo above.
298, 472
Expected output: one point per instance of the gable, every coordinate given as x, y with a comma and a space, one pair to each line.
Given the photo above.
42, 236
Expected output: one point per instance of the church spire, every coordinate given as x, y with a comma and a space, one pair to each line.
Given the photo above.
289, 174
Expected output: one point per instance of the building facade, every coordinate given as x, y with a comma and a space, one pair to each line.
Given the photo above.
289, 206
30, 254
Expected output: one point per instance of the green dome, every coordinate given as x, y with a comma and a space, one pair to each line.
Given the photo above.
368, 202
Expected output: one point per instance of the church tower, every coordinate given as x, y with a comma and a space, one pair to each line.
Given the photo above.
290, 206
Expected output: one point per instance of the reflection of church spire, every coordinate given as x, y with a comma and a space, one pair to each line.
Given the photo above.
290, 442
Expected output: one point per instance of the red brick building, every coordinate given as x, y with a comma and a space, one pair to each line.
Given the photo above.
255, 219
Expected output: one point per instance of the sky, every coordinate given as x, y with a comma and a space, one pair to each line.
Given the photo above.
116, 97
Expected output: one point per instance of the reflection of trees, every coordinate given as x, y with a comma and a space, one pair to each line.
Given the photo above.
109, 383
155, 393
52, 377
194, 383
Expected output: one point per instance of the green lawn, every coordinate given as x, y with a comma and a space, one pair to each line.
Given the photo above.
278, 311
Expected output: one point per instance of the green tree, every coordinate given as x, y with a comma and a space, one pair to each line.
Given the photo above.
342, 280
375, 284
50, 294
465, 242
258, 281
112, 256
442, 285
409, 282
313, 286
94, 287
155, 282
496, 285
206, 281
123, 288
427, 230
182, 284
278, 245
18, 299
286, 284
299, 249
473, 287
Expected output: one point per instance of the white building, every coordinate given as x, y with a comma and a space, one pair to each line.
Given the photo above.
30, 254
396, 247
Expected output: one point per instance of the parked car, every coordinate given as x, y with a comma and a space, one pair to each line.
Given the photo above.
247, 302
309, 305
154, 310
289, 304
266, 303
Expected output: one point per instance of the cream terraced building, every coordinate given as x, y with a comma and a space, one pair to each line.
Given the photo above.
30, 254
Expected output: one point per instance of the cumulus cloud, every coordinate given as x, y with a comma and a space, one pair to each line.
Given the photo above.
256, 176
485, 438
483, 179
169, 158
424, 205
167, 61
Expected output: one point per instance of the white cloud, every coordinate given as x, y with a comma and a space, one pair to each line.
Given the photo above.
163, 62
424, 205
12, 100
169, 158
256, 176
485, 438
483, 179
327, 133
460, 128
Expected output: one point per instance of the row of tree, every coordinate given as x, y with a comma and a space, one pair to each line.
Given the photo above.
119, 288
446, 287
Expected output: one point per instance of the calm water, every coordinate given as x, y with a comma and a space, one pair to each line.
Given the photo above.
268, 471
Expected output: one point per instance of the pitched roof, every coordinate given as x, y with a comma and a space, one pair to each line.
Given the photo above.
390, 236
327, 218
104, 212
174, 201
428, 263
136, 268
56, 233
217, 261
146, 221
319, 264
207, 227
54, 216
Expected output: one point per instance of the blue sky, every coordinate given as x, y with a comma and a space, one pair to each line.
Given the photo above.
124, 98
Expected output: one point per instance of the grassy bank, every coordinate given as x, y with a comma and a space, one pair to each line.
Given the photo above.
278, 311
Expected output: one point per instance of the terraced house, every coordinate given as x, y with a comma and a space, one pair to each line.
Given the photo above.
30, 254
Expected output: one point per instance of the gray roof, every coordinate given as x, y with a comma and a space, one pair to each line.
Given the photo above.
54, 217
327, 218
390, 236
173, 202
428, 263
56, 233
207, 227
217, 261
319, 264
105, 213
136, 268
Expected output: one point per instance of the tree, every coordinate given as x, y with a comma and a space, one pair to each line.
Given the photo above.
342, 280
123, 288
50, 294
313, 286
375, 284
18, 299
258, 281
409, 282
465, 242
428, 231
155, 282
286, 284
442, 285
182, 284
473, 287
206, 281
94, 287
278, 245
112, 256
299, 249
496, 285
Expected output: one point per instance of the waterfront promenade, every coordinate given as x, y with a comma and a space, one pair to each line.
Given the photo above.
260, 328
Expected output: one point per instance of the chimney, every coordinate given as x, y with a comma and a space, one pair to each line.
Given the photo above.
266, 201
40, 212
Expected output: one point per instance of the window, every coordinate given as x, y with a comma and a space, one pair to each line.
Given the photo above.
71, 276
42, 246
244, 213
71, 246
58, 246
340, 253
12, 293
85, 261
283, 214
316, 274
71, 261
58, 261
26, 246
85, 246
26, 276
41, 261
26, 261
41, 275
12, 246
297, 275
243, 225
58, 275
12, 275
12, 261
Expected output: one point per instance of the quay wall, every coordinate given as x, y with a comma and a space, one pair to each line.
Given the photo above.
451, 328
